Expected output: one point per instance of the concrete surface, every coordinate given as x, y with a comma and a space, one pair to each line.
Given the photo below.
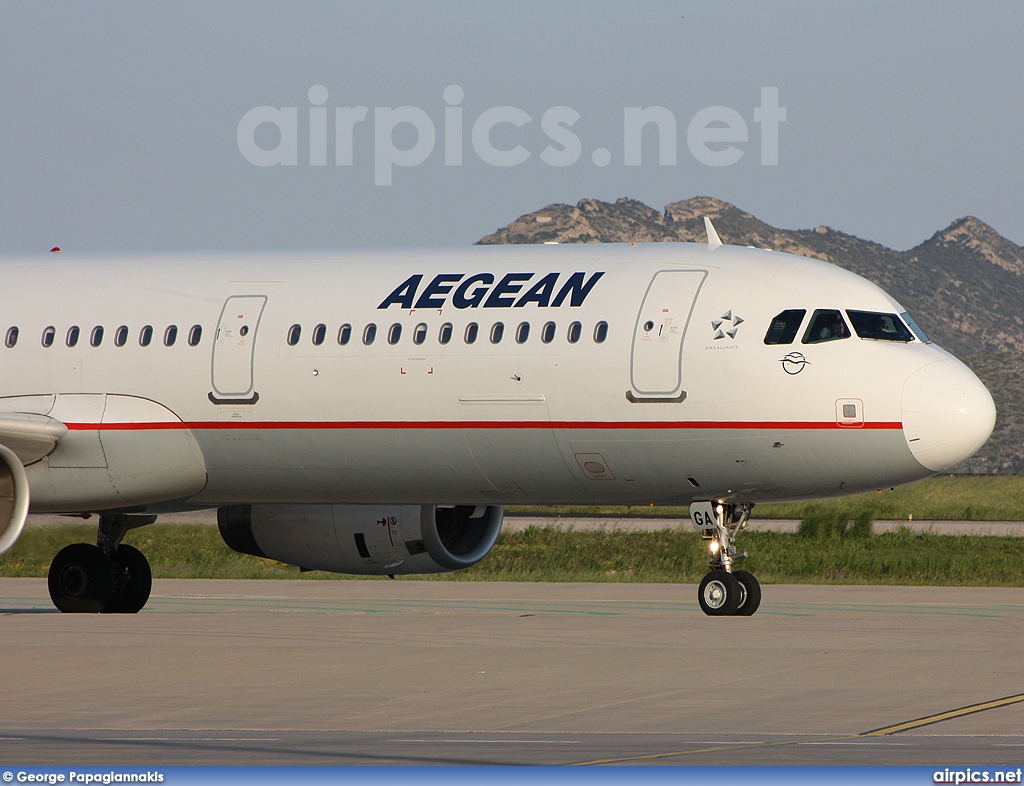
413, 672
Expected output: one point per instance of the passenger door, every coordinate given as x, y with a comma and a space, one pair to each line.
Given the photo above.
656, 362
233, 348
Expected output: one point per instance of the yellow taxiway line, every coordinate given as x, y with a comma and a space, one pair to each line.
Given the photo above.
882, 732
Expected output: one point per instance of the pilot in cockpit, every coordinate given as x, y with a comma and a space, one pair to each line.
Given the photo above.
832, 329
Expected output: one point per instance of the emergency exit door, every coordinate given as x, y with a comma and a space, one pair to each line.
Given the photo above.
656, 363
233, 348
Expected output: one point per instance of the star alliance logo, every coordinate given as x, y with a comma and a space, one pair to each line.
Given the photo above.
728, 325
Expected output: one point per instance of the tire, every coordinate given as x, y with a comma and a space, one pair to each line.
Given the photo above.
135, 593
81, 579
719, 594
752, 599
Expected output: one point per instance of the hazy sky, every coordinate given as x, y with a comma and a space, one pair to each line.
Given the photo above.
120, 123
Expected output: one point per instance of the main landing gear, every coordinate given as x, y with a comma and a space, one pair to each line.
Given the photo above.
725, 592
110, 577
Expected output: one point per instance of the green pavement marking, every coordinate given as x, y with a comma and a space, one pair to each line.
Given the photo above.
385, 607
927, 611
769, 613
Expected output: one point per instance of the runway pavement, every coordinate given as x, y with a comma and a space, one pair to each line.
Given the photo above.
414, 672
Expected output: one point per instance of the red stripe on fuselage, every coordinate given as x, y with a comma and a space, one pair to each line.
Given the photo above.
684, 425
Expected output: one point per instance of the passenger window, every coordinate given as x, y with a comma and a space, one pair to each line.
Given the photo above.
497, 331
471, 332
446, 333
344, 334
369, 334
12, 337
547, 333
170, 335
394, 333
96, 337
522, 332
319, 334
826, 325
294, 334
600, 332
195, 335
879, 326
784, 326
419, 335
48, 335
121, 336
72, 338
575, 331
146, 336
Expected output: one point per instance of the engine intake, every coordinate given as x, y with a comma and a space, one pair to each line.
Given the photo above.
364, 539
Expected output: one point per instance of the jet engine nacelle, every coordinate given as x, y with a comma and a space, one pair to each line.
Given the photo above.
364, 539
14, 496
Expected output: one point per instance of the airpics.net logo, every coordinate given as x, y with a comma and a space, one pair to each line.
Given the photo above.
716, 136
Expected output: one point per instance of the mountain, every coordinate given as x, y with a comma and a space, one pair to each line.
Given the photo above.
964, 285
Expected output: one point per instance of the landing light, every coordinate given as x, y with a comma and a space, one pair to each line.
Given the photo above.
714, 546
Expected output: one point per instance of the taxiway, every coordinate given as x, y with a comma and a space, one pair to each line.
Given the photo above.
372, 672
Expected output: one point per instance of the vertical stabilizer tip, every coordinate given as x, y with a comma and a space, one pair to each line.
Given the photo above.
713, 240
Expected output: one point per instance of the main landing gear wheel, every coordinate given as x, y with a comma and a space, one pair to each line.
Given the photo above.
135, 581
81, 579
108, 577
720, 594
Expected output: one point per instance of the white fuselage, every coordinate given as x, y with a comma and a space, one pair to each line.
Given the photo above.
682, 400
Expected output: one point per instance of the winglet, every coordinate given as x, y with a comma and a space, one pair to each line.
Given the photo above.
713, 240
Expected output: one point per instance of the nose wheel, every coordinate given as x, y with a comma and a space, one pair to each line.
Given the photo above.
725, 592
719, 594
722, 594
750, 590
112, 577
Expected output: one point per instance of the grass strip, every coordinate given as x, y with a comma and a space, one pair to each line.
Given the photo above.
556, 555
943, 498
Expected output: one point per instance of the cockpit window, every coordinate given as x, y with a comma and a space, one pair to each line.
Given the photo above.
883, 327
916, 328
784, 326
826, 325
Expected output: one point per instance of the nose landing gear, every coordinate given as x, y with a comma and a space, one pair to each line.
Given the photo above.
109, 577
725, 592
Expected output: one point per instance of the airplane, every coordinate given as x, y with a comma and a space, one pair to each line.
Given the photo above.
372, 412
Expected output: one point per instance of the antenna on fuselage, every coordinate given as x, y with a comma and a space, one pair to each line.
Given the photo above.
713, 240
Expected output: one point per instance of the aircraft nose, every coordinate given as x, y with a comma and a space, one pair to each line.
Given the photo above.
947, 414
